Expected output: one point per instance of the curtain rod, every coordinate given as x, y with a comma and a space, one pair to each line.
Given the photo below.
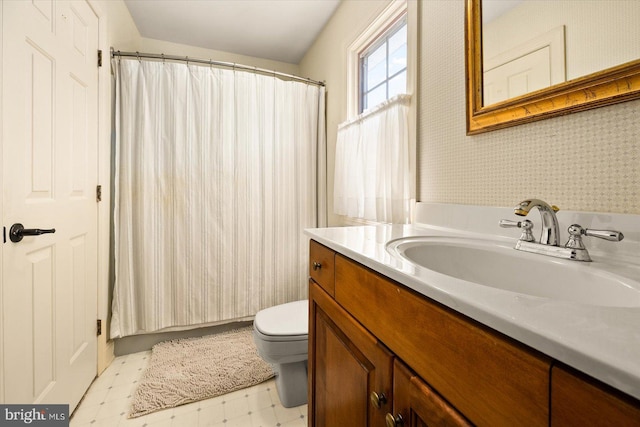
233, 65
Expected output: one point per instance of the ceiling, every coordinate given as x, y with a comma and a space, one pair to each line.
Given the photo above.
280, 30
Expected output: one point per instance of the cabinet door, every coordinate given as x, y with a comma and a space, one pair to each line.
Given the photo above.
347, 366
415, 404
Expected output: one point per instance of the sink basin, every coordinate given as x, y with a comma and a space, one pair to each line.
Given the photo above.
498, 265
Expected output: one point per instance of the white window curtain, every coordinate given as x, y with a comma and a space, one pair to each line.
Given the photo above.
372, 166
215, 181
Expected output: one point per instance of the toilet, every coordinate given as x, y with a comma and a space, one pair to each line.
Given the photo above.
281, 334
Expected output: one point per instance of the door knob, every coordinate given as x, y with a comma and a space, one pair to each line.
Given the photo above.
17, 232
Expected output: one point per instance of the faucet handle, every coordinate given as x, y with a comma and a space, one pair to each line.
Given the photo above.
611, 235
576, 232
526, 226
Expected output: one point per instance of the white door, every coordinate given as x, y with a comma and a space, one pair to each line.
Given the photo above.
49, 177
535, 64
517, 77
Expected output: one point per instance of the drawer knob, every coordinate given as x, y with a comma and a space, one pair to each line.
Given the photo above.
392, 421
317, 265
378, 400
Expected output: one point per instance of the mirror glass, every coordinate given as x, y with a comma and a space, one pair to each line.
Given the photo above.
529, 45
533, 59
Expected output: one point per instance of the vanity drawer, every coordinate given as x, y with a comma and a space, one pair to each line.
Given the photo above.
488, 377
321, 266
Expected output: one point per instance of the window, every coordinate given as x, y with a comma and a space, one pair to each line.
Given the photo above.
383, 67
374, 169
387, 48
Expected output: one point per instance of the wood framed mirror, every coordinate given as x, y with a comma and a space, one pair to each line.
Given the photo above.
599, 88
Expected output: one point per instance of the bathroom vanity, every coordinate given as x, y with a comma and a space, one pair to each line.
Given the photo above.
390, 344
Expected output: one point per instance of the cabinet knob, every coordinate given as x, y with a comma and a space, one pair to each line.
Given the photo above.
378, 400
317, 265
396, 421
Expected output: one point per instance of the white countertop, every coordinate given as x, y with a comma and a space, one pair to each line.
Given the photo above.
603, 342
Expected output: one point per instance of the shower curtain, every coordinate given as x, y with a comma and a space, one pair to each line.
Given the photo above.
215, 180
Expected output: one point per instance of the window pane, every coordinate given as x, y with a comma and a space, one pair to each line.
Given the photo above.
376, 75
376, 56
398, 84
375, 97
398, 50
376, 67
398, 39
397, 59
384, 66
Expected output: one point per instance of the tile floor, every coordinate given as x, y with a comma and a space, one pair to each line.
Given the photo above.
106, 404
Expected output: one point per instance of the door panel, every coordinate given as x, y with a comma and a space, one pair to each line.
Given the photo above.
340, 368
80, 311
49, 167
39, 123
418, 404
346, 357
41, 264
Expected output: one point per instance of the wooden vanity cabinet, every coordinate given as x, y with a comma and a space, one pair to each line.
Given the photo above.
578, 400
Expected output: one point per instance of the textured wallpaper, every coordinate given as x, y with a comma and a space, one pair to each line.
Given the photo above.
587, 161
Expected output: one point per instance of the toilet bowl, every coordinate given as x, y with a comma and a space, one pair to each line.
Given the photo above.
281, 334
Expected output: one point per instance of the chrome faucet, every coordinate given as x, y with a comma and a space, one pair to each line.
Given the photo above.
550, 234
549, 238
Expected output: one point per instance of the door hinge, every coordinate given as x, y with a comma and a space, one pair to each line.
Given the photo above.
99, 324
99, 193
99, 57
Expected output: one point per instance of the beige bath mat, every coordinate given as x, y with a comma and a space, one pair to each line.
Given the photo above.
192, 369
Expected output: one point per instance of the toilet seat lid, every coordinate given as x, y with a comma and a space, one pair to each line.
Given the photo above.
286, 319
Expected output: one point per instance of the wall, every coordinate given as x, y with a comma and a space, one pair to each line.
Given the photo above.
586, 161
116, 28
121, 30
159, 46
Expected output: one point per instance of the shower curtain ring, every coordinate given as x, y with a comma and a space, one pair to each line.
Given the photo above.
138, 55
162, 55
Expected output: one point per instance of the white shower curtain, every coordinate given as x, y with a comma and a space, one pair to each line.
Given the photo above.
215, 181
